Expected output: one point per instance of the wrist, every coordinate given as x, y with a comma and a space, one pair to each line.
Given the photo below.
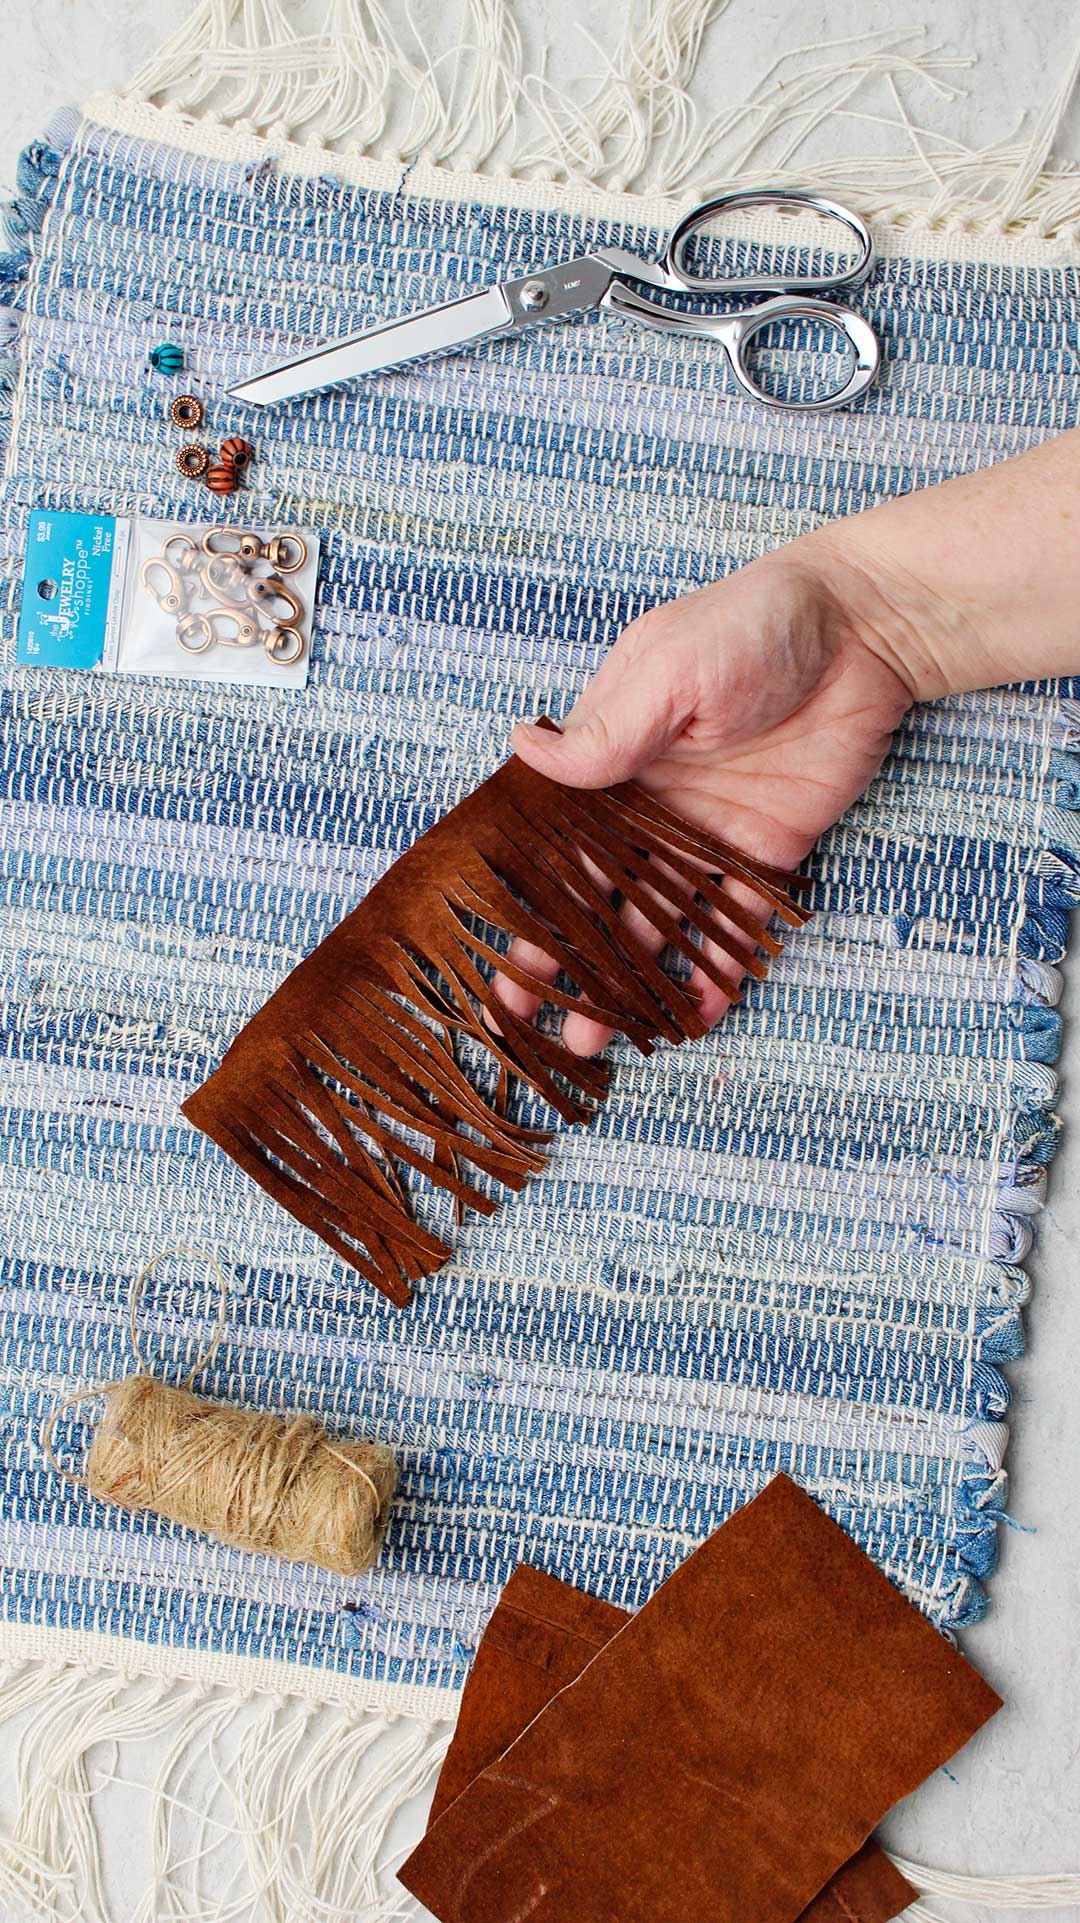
970, 583
930, 644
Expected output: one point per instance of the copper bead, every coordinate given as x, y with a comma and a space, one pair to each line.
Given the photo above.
237, 451
222, 478
186, 411
193, 460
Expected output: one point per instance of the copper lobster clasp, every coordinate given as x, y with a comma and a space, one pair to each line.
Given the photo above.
277, 601
225, 569
239, 542
285, 552
183, 552
224, 575
171, 598
218, 627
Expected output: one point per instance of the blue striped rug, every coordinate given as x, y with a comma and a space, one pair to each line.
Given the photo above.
793, 1247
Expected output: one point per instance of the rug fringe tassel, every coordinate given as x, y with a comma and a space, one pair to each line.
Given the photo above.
297, 1798
367, 84
1056, 1890
310, 1793
358, 79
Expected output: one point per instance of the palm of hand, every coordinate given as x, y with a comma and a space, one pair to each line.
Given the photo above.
763, 714
772, 791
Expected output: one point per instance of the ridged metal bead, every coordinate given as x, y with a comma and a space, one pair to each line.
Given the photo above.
186, 410
193, 460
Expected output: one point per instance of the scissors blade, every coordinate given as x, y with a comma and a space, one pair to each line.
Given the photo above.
550, 293
439, 330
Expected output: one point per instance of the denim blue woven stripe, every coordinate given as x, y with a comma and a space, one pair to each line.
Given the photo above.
794, 1246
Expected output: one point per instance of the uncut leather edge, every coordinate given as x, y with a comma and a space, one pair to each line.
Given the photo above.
724, 1753
351, 1068
541, 1635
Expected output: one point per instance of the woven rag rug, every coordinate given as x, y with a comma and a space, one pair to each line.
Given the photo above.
794, 1246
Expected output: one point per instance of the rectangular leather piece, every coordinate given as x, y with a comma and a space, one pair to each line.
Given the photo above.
726, 1751
540, 1637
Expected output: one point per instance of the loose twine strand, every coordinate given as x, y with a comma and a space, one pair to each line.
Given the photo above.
253, 1480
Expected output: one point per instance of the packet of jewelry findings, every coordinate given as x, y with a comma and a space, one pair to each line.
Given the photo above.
198, 600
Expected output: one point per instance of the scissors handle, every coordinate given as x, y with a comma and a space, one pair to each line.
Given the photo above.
853, 276
734, 333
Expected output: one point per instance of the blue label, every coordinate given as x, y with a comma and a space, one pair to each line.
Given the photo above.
64, 619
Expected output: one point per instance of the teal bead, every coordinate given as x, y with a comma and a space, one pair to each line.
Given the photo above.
167, 359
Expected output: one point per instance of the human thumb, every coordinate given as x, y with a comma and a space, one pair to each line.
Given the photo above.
603, 740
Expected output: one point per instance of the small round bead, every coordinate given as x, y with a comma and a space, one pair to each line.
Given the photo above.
237, 450
221, 478
193, 460
166, 359
186, 411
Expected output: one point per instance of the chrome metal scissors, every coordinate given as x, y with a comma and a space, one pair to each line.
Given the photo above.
611, 278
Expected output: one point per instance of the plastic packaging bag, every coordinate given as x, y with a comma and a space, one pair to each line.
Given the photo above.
205, 601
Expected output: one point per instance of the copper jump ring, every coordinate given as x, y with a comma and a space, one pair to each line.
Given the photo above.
284, 645
280, 548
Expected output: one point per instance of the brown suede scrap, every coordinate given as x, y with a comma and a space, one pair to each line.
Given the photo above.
722, 1755
540, 1637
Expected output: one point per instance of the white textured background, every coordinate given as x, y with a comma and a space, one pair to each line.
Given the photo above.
1012, 1800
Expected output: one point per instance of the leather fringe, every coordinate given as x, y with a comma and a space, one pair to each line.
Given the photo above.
351, 1070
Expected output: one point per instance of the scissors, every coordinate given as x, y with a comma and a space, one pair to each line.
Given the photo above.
611, 278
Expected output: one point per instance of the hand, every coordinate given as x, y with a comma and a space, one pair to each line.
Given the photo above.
763, 706
759, 707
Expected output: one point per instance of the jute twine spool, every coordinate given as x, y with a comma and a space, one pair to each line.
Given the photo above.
254, 1481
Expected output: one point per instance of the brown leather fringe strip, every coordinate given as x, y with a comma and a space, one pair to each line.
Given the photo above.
351, 1069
